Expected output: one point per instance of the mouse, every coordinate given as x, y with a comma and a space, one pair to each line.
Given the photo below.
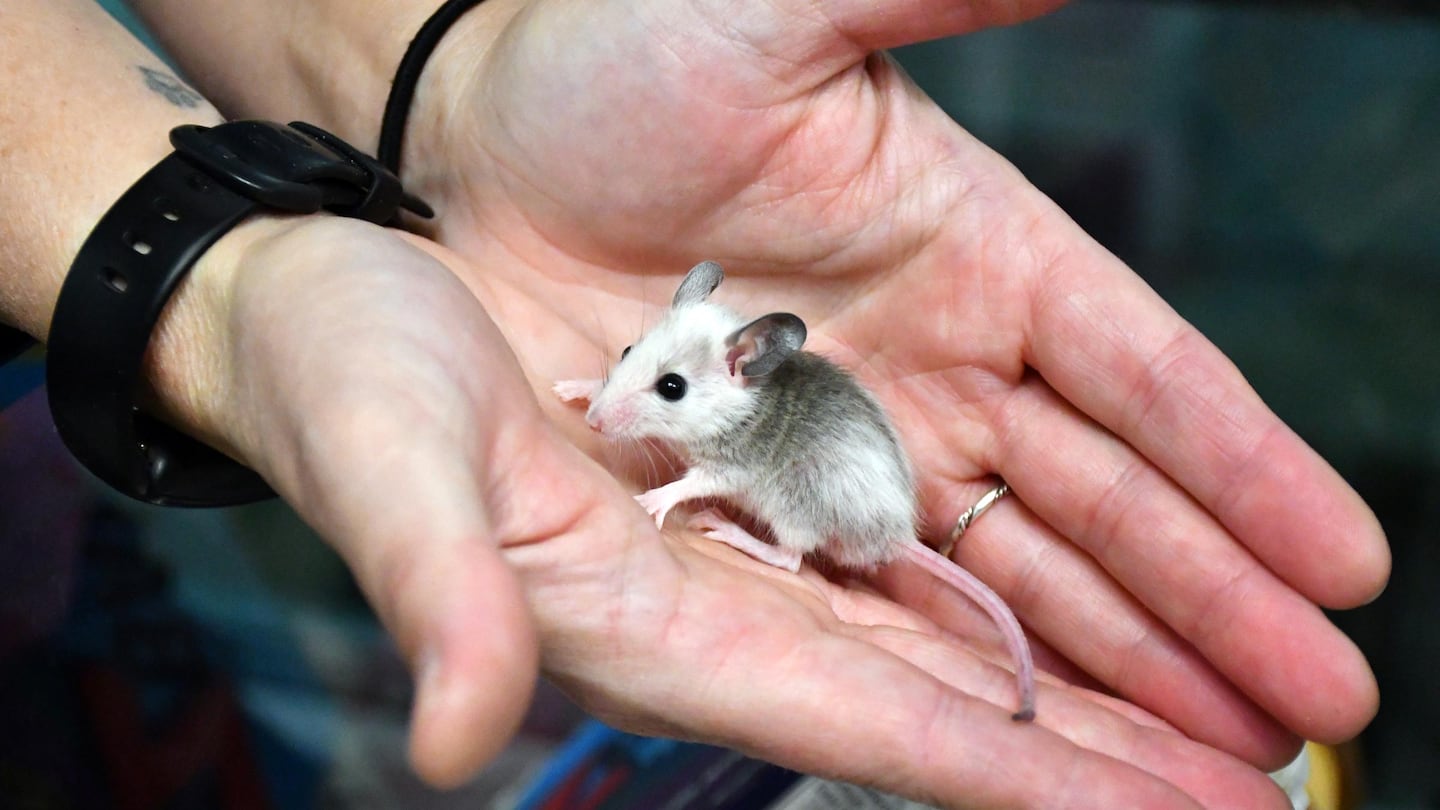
786, 436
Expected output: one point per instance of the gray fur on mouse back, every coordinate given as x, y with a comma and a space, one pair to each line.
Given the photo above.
818, 461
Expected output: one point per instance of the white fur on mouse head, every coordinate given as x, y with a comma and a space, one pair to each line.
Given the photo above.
686, 353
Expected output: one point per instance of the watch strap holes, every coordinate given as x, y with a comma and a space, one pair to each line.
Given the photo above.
167, 209
114, 279
138, 244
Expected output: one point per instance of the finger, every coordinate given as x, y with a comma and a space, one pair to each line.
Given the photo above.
732, 654
1150, 537
1098, 724
818, 39
905, 732
919, 737
898, 596
968, 626
872, 27
1107, 343
479, 664
903, 597
1067, 598
410, 525
364, 416
914, 589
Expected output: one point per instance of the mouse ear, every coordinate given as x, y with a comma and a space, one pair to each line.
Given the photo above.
763, 344
702, 280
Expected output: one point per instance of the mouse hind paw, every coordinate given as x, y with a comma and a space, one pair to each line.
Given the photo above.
717, 527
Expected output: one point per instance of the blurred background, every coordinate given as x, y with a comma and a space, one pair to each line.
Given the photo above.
1272, 169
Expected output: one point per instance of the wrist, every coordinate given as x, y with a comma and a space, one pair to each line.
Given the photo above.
134, 263
66, 162
329, 64
436, 127
57, 209
189, 372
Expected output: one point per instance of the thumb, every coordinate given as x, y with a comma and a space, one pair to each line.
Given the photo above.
419, 542
844, 32
476, 668
903, 22
359, 368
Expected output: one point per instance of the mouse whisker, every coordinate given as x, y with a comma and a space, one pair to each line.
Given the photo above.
652, 467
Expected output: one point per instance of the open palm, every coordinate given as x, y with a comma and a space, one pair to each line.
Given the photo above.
415, 446
604, 148
1167, 547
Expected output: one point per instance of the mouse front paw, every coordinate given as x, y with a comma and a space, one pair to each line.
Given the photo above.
657, 504
577, 390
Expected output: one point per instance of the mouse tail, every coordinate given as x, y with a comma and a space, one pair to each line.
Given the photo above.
995, 607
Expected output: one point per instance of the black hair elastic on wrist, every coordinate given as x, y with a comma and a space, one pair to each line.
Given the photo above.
407, 75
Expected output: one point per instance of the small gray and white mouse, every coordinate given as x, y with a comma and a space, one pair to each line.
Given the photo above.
781, 433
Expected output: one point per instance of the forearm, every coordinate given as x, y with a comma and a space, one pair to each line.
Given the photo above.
276, 58
324, 61
84, 111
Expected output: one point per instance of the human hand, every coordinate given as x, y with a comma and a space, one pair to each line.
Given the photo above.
584, 156
357, 374
1162, 502
414, 445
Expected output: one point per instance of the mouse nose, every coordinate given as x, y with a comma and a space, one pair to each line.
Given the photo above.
596, 423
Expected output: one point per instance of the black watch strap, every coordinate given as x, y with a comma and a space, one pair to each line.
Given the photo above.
135, 258
107, 308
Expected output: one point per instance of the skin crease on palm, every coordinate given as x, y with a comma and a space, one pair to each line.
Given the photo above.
1166, 546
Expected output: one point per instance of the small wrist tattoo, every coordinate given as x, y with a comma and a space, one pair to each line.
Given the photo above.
174, 90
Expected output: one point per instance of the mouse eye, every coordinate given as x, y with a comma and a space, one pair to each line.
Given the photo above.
625, 351
671, 387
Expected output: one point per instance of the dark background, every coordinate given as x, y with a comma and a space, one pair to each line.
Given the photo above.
1273, 169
